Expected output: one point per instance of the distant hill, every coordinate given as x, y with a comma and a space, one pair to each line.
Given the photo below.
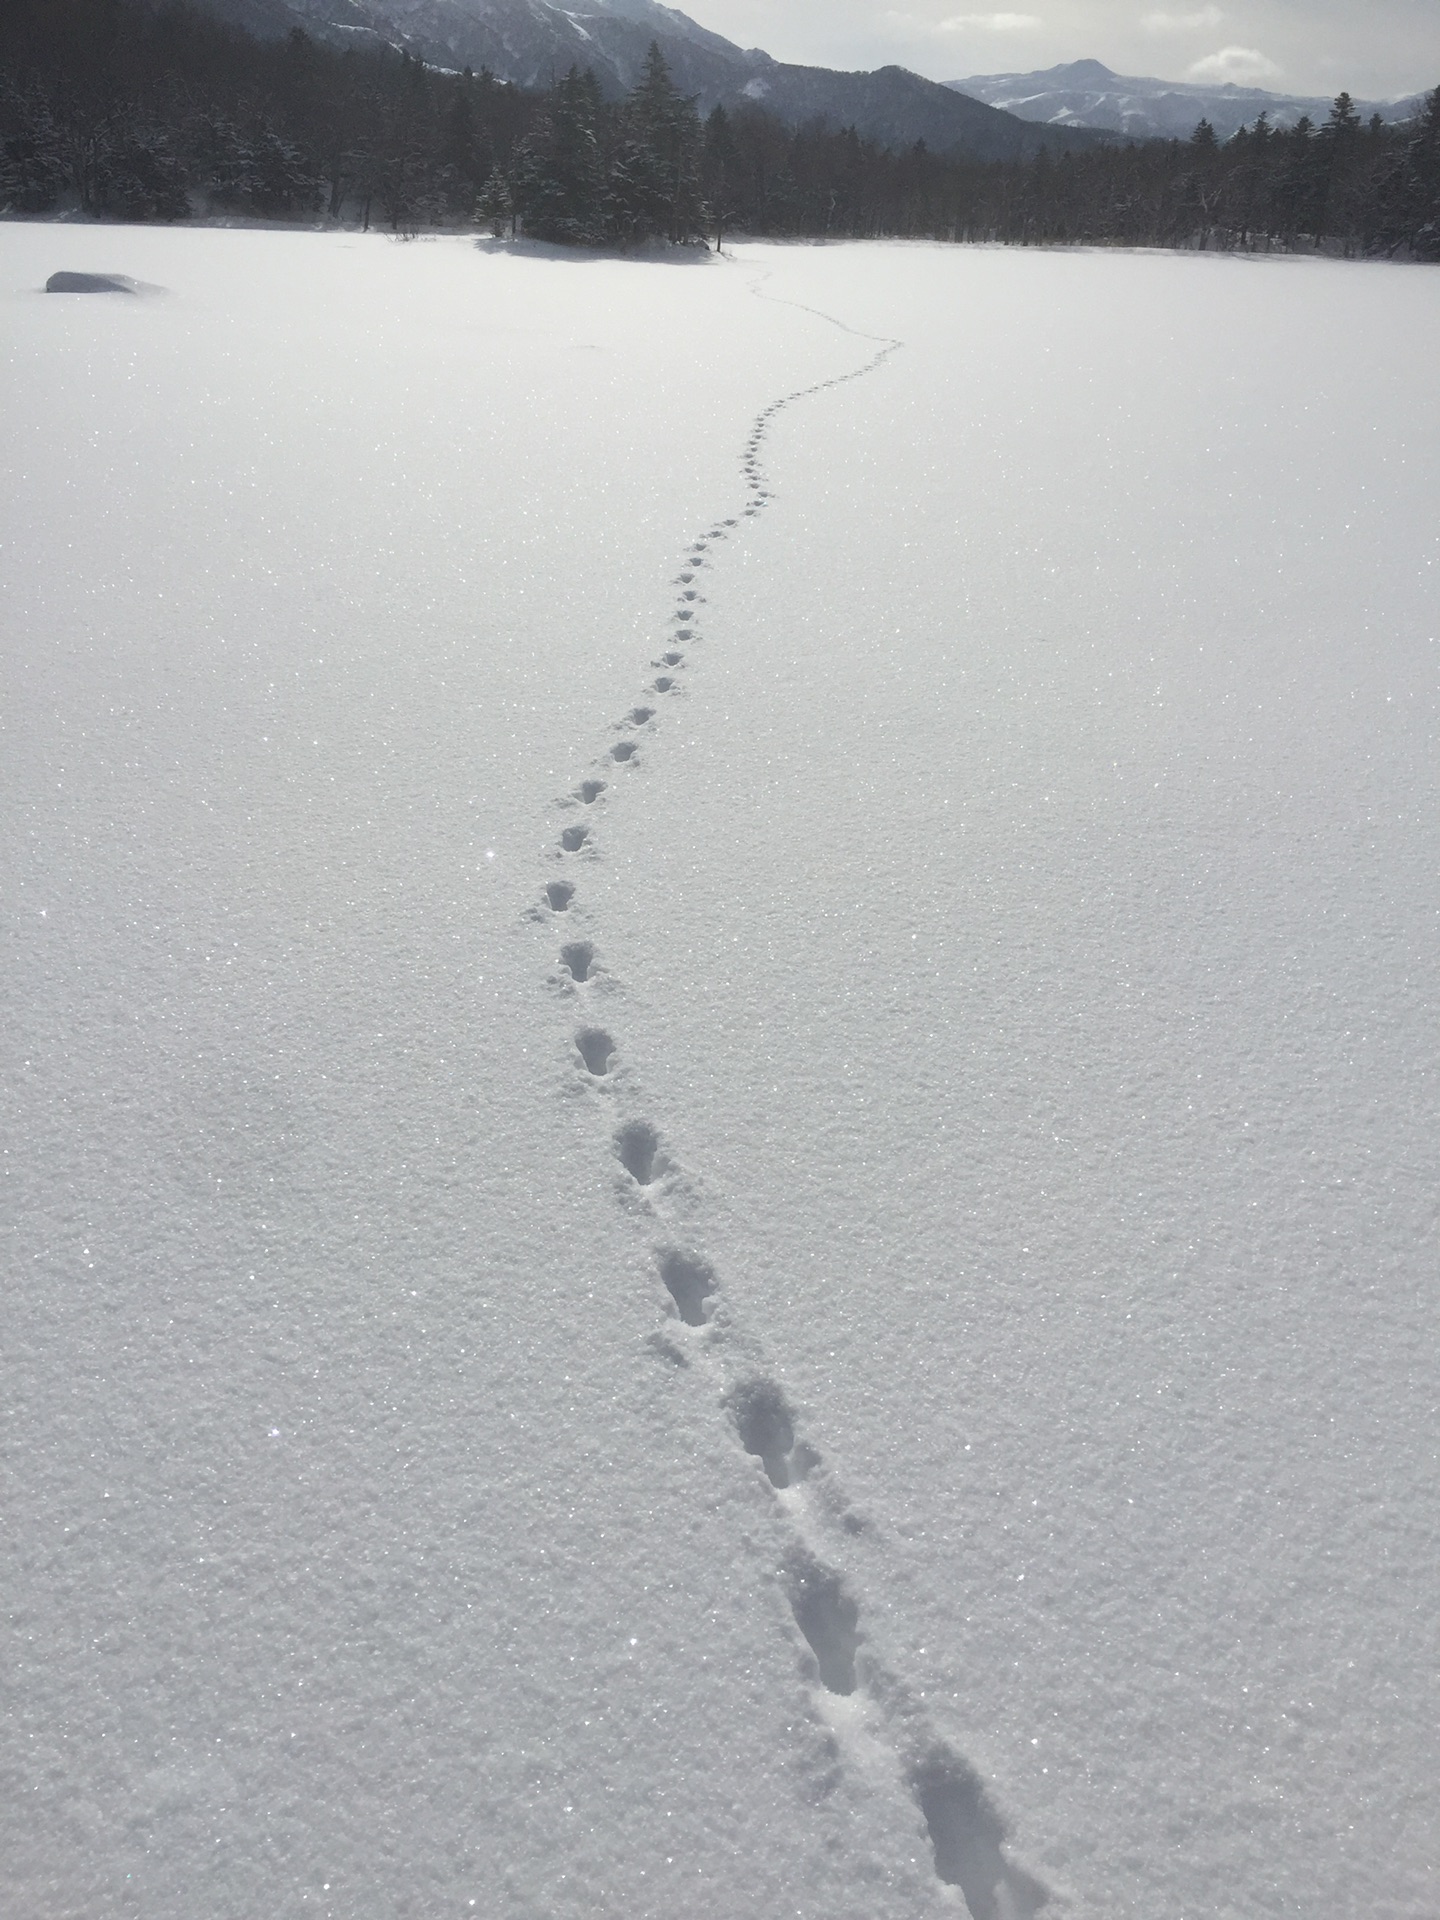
532, 42
1086, 93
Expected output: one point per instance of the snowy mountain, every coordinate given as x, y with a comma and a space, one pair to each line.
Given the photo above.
530, 42
1085, 93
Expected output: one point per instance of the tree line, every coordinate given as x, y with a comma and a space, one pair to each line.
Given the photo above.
154, 110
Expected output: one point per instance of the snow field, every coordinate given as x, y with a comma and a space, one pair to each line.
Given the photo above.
688, 1276
1070, 1064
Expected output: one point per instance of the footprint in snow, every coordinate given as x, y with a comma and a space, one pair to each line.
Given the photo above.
637, 1147
596, 1049
559, 893
672, 659
690, 1282
766, 1428
639, 716
590, 791
966, 1834
664, 683
623, 750
574, 838
578, 960
828, 1618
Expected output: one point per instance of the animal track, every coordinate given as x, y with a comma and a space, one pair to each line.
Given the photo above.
637, 1146
690, 1281
966, 1834
596, 1049
809, 1510
829, 1620
579, 959
767, 1429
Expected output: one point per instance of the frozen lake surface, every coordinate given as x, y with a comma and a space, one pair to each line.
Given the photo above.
720, 1117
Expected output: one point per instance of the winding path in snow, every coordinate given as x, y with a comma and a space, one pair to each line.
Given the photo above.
871, 1713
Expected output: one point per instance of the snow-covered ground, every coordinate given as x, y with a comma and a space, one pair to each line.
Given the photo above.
1010, 955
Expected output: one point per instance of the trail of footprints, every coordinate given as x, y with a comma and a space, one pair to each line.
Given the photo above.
700, 1329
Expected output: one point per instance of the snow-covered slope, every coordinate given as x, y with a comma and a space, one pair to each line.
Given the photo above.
525, 41
716, 1105
1086, 93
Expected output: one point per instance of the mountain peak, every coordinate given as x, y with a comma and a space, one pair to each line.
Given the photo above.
1087, 93
1081, 73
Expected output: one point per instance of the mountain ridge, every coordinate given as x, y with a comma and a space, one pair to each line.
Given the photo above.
1087, 93
533, 42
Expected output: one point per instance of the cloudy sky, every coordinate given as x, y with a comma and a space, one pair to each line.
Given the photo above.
1375, 48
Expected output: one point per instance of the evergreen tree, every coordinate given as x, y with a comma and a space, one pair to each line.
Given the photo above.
654, 187
719, 171
559, 180
1409, 189
138, 177
32, 161
495, 207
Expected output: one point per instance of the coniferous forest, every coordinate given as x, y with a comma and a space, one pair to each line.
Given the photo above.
151, 110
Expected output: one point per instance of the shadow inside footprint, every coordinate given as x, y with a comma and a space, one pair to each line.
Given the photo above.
767, 1429
829, 1620
638, 1147
672, 659
966, 1832
596, 1050
573, 838
579, 958
559, 893
691, 1282
664, 683
591, 790
639, 715
623, 750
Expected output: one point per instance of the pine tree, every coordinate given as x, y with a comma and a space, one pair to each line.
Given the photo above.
559, 178
1341, 163
496, 205
654, 186
1409, 189
718, 171
32, 163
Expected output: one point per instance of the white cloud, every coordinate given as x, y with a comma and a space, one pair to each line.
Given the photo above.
1243, 65
1181, 22
993, 23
